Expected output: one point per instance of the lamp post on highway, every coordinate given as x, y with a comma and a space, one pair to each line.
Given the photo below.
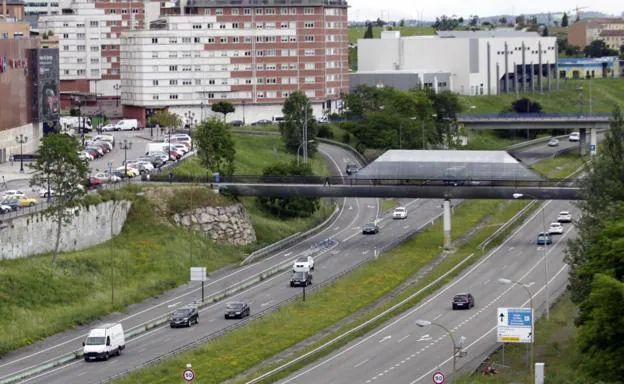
545, 232
299, 149
125, 146
21, 140
456, 350
526, 287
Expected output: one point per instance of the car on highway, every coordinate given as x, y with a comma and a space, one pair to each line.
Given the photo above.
463, 301
544, 239
184, 317
553, 142
564, 217
352, 169
303, 264
262, 122
300, 279
574, 136
237, 123
555, 229
370, 229
104, 341
399, 213
237, 309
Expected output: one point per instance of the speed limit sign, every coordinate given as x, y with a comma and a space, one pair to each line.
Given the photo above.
188, 375
438, 378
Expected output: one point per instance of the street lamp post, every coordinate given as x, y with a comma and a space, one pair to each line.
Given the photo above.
299, 149
526, 288
116, 87
21, 140
125, 146
456, 350
190, 120
545, 232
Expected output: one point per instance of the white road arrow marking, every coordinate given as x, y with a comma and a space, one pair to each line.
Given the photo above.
287, 254
385, 338
173, 305
424, 338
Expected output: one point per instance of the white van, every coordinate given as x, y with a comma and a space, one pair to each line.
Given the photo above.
127, 125
104, 341
76, 123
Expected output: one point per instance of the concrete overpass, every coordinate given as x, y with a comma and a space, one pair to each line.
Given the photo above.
541, 121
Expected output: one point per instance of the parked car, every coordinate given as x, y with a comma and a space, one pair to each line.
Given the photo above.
94, 183
105, 177
97, 151
13, 192
463, 300
262, 122
174, 155
92, 152
544, 239
105, 147
180, 147
301, 279
128, 171
564, 217
553, 142
236, 309
27, 202
370, 229
85, 155
184, 316
5, 209
14, 204
43, 192
555, 228
156, 161
574, 136
109, 128
399, 213
104, 144
237, 123
352, 169
303, 264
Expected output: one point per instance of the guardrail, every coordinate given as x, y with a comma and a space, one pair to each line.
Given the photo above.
463, 117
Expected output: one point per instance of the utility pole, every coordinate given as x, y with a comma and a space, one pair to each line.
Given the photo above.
305, 133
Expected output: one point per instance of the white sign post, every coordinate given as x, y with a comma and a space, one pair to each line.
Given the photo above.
514, 325
199, 274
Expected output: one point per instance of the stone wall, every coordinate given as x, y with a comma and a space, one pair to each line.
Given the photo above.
229, 224
35, 234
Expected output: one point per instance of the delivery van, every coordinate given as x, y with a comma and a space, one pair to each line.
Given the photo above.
104, 341
127, 125
157, 147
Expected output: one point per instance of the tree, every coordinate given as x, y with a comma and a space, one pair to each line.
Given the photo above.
520, 21
622, 51
604, 324
598, 48
369, 30
545, 32
165, 118
474, 20
564, 20
402, 23
216, 146
223, 107
502, 20
289, 207
298, 115
525, 105
59, 168
379, 22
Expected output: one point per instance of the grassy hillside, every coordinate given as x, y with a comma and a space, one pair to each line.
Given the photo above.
606, 93
356, 33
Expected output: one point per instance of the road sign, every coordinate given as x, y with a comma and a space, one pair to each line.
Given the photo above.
514, 325
188, 375
198, 274
438, 378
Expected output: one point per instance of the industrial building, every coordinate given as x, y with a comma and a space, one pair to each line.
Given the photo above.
466, 62
589, 68
249, 54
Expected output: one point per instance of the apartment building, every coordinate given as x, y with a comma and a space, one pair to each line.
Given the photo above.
611, 30
248, 54
12, 10
89, 39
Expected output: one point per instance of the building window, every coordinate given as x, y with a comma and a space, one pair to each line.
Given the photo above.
196, 40
308, 24
65, 47
95, 72
234, 11
310, 93
95, 48
173, 68
309, 80
309, 52
247, 11
80, 72
154, 97
154, 40
308, 39
173, 82
308, 11
258, 11
80, 35
197, 26
173, 97
209, 40
283, 11
154, 55
95, 60
66, 71
93, 23
269, 11
219, 12
235, 39
155, 83
309, 66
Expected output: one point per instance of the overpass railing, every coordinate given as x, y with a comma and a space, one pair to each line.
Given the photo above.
356, 181
461, 117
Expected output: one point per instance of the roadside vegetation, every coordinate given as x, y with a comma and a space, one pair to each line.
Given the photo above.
356, 33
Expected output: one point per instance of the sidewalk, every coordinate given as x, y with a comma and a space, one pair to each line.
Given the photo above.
12, 172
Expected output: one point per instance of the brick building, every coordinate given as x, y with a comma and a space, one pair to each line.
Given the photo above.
611, 30
249, 54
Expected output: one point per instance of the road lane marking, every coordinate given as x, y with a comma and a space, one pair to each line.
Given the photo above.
437, 317
385, 338
267, 303
287, 254
403, 338
360, 363
173, 305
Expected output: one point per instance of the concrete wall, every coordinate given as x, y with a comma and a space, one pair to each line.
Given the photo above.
25, 236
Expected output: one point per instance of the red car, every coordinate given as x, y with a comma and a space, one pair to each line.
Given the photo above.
174, 155
94, 183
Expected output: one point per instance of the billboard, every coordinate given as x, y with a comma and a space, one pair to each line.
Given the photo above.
46, 99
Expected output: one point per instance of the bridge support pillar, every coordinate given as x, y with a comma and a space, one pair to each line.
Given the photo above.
446, 223
583, 141
593, 149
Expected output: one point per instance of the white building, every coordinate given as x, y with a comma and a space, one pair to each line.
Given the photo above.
89, 39
33, 9
468, 63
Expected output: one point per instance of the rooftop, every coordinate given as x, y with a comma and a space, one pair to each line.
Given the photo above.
447, 164
506, 32
263, 3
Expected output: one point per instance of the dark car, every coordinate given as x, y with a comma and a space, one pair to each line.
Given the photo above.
463, 300
370, 229
544, 239
156, 161
262, 122
184, 317
236, 309
237, 123
11, 205
301, 279
352, 169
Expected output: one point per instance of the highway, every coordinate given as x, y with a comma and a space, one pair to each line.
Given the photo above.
351, 245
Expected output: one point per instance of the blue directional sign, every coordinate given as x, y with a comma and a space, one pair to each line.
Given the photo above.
514, 325
519, 317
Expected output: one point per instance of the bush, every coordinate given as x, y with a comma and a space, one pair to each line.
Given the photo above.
325, 131
187, 199
346, 138
288, 207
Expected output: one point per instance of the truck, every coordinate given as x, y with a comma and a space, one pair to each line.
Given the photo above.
76, 123
104, 341
157, 147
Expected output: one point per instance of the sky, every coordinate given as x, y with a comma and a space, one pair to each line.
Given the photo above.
362, 10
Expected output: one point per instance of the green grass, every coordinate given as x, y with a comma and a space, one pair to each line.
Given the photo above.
487, 140
253, 154
389, 204
555, 345
561, 166
244, 348
605, 94
356, 33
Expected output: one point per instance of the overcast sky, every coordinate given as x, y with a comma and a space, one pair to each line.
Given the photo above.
413, 9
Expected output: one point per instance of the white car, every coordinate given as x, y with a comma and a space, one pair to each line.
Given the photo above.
180, 147
574, 136
85, 156
105, 177
109, 127
564, 217
43, 192
399, 213
303, 264
5, 209
12, 193
555, 228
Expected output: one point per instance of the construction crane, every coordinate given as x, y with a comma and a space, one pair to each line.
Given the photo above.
577, 9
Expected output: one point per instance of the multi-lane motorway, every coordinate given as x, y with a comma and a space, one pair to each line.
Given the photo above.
351, 245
